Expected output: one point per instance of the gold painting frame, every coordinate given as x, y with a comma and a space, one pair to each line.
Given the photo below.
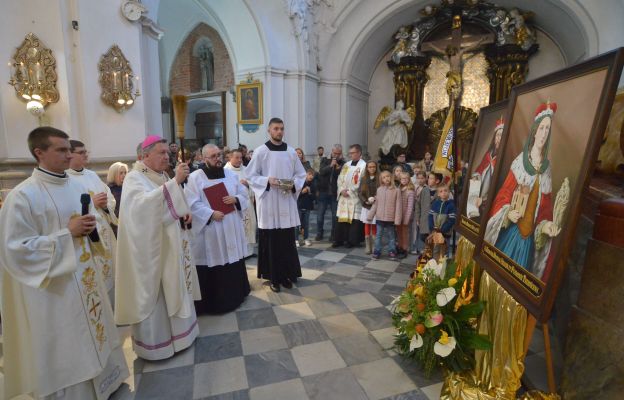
581, 96
249, 109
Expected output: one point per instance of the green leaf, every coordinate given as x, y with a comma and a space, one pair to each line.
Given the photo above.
469, 311
451, 267
479, 342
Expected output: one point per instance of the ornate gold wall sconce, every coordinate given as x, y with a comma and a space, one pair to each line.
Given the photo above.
33, 75
117, 80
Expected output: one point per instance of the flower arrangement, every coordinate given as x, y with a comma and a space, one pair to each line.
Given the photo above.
432, 328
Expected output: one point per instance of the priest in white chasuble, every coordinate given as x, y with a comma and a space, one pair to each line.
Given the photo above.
249, 218
276, 177
218, 243
349, 229
60, 339
104, 202
155, 279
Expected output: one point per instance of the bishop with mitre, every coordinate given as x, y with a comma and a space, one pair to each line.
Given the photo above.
156, 280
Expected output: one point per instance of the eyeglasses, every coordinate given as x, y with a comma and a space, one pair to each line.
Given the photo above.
81, 152
212, 157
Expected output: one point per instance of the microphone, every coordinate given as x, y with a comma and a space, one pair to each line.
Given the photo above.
85, 200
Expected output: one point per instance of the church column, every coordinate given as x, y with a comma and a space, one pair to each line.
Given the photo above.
150, 81
410, 77
508, 66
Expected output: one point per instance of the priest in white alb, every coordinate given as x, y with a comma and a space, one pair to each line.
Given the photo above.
60, 340
155, 279
104, 202
249, 217
349, 229
218, 243
276, 176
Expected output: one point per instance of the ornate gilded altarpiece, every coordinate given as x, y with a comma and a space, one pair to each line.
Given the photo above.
489, 72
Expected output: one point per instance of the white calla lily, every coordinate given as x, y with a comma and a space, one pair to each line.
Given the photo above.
445, 295
445, 345
436, 268
416, 342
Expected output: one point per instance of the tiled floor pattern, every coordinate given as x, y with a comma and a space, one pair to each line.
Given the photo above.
330, 337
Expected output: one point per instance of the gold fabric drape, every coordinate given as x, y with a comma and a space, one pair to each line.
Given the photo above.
463, 257
498, 371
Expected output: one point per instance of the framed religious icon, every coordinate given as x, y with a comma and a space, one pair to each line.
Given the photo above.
550, 145
249, 99
486, 146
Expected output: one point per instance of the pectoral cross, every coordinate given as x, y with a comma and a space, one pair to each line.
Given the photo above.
453, 49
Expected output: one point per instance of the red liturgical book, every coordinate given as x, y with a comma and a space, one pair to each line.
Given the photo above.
215, 195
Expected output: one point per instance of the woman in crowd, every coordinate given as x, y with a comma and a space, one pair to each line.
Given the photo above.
306, 164
116, 174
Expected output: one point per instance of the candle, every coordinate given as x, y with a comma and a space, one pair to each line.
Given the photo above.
115, 85
126, 82
24, 73
38, 72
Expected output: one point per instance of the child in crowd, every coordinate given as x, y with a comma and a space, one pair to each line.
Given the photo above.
387, 210
407, 211
441, 221
433, 180
416, 168
305, 203
367, 192
397, 171
422, 205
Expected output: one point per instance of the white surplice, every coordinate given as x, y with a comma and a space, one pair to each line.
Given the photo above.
249, 217
104, 217
350, 178
156, 280
58, 328
276, 209
220, 242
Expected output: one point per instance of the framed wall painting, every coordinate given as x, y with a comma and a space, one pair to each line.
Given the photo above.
484, 153
550, 146
249, 101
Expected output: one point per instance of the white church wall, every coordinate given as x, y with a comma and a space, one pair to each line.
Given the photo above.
547, 59
357, 113
382, 95
277, 29
310, 114
331, 114
610, 13
79, 111
150, 85
45, 19
291, 104
107, 133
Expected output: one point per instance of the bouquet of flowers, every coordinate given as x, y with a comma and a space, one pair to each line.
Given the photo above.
433, 329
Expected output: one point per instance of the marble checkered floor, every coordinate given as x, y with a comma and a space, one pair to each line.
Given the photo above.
330, 337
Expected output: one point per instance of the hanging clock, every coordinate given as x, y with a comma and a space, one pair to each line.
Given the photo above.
132, 10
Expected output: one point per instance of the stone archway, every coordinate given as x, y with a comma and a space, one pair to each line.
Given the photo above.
185, 75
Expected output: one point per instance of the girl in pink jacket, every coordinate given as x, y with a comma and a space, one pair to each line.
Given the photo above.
387, 210
407, 209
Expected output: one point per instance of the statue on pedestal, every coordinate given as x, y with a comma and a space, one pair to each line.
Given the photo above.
394, 124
